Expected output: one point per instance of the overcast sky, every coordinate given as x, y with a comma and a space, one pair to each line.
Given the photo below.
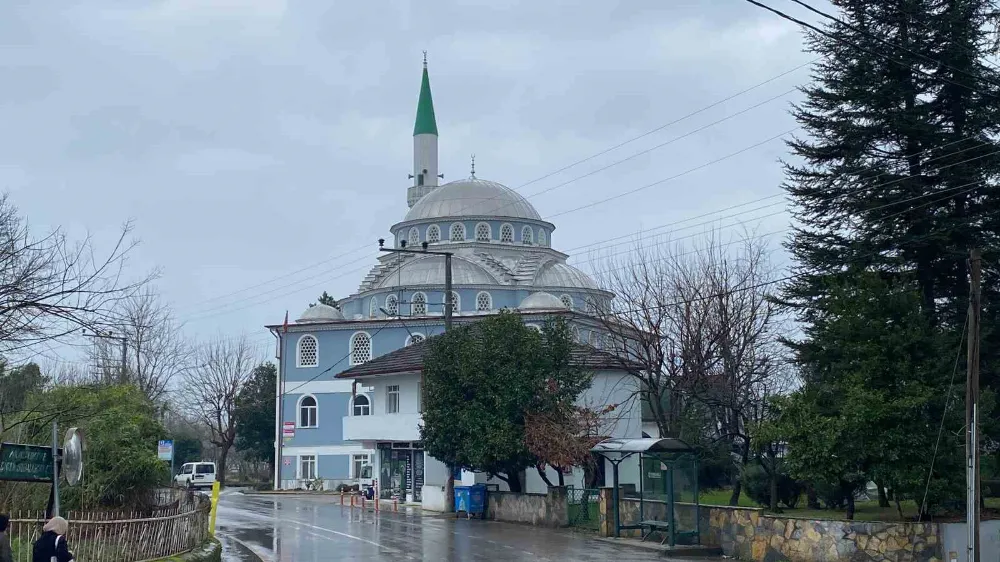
251, 139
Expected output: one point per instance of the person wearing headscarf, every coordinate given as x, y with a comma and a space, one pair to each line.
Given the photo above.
51, 546
6, 554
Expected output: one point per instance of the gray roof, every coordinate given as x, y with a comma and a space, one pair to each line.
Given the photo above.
646, 445
557, 274
472, 198
429, 270
320, 313
541, 301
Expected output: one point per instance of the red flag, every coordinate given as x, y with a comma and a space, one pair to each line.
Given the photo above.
284, 327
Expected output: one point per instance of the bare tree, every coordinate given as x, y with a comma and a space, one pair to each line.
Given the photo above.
224, 367
705, 334
155, 351
50, 288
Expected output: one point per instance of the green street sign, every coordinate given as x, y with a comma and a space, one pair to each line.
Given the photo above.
25, 463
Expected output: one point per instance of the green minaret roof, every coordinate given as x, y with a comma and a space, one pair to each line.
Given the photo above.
425, 124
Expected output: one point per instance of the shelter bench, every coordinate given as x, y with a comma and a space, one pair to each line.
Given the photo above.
650, 527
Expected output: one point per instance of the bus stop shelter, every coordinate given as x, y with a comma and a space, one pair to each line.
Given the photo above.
668, 473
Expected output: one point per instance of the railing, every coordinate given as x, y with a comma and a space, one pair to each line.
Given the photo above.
122, 536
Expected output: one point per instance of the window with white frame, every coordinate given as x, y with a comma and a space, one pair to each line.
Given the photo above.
596, 340
507, 233
567, 301
576, 335
418, 304
483, 232
414, 237
416, 337
455, 304
392, 305
373, 308
308, 412
361, 406
392, 399
457, 232
541, 237
535, 327
308, 353
433, 233
527, 236
484, 302
307, 467
361, 348
357, 463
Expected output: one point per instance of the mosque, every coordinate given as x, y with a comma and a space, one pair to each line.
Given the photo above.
350, 391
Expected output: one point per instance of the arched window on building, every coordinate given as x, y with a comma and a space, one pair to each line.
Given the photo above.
576, 335
535, 327
361, 348
414, 239
457, 232
433, 234
308, 412
542, 241
567, 301
413, 338
418, 304
507, 234
484, 302
373, 308
361, 406
483, 232
308, 352
456, 304
527, 236
392, 305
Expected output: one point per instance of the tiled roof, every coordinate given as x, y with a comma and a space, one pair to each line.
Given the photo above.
410, 359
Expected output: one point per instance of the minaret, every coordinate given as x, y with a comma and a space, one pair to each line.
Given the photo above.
425, 144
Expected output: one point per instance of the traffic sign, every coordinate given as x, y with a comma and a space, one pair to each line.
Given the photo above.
165, 450
25, 463
287, 461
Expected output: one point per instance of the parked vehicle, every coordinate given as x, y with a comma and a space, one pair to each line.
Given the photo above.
196, 475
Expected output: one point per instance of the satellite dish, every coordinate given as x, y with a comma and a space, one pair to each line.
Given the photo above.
72, 458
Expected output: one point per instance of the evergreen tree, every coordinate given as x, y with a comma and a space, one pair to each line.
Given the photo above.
326, 299
897, 172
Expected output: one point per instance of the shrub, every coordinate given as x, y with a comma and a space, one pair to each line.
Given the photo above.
757, 486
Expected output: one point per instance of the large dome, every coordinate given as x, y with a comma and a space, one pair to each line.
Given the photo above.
472, 198
557, 274
430, 271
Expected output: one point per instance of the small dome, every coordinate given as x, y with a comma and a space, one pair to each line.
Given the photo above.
320, 313
472, 198
541, 301
430, 271
557, 274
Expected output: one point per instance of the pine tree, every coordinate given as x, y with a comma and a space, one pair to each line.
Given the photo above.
896, 173
326, 299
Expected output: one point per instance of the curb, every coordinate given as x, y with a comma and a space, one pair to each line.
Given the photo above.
211, 551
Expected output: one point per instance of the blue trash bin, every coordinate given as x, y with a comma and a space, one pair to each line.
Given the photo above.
471, 500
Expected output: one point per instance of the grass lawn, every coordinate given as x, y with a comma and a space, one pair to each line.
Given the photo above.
864, 510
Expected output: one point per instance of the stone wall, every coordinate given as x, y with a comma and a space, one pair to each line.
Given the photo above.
546, 510
749, 534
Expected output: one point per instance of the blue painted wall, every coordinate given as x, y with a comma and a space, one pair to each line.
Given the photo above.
328, 467
331, 411
403, 233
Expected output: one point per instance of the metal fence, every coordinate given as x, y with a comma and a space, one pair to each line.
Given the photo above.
583, 508
122, 536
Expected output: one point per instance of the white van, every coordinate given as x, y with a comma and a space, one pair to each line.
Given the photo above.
196, 475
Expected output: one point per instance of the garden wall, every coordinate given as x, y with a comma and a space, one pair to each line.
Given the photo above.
749, 534
546, 510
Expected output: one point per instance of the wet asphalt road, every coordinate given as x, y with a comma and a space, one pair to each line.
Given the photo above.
307, 529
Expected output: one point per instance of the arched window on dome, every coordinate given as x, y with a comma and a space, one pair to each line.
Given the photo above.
433, 234
541, 237
456, 302
361, 348
507, 234
418, 304
307, 354
308, 411
484, 302
457, 232
483, 232
413, 338
414, 238
392, 305
527, 236
373, 308
567, 301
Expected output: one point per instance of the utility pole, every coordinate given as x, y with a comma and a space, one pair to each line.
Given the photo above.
123, 369
449, 490
972, 409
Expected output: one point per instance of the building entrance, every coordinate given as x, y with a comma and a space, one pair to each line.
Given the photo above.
401, 470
